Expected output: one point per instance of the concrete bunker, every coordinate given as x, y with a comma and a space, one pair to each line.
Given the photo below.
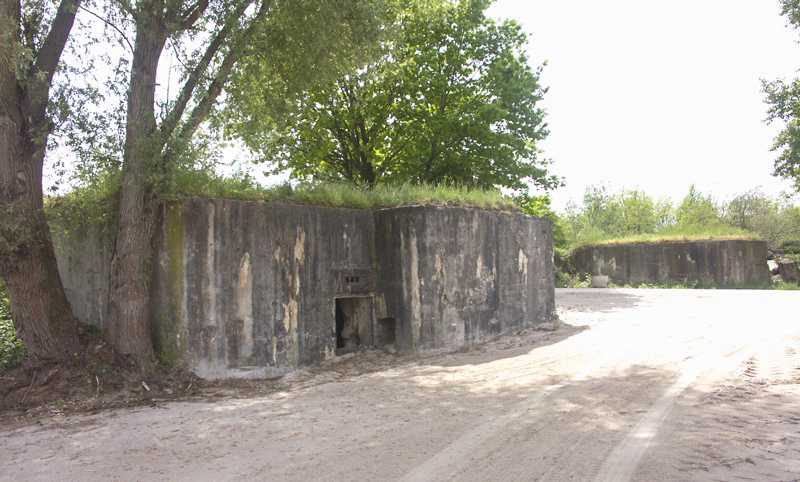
720, 263
247, 289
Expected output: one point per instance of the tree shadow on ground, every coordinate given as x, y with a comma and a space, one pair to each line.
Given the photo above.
384, 425
599, 300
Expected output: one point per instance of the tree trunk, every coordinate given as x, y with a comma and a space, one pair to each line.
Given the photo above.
146, 160
41, 312
39, 307
131, 268
132, 263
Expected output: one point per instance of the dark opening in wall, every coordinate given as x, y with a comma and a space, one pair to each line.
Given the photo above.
339, 324
353, 324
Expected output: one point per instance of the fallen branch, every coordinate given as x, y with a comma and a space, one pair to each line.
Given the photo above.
29, 388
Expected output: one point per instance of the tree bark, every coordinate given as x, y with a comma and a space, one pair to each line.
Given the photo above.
39, 307
132, 263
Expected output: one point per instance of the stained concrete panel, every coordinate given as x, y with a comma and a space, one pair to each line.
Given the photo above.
455, 277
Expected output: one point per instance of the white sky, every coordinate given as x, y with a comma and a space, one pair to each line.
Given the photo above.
658, 95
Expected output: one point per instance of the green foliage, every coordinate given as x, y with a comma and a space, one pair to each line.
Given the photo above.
205, 183
776, 221
80, 207
632, 216
784, 106
293, 45
344, 195
541, 206
790, 248
15, 232
697, 210
452, 101
637, 212
566, 280
93, 204
12, 352
607, 215
303, 43
786, 286
675, 234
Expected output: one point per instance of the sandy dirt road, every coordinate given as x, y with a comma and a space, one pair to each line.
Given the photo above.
642, 385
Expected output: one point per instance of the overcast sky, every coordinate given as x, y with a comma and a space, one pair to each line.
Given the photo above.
658, 95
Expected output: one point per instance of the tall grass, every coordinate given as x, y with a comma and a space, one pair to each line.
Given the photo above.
343, 195
714, 232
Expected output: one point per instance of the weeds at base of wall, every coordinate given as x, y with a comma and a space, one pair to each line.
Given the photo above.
565, 280
785, 286
710, 286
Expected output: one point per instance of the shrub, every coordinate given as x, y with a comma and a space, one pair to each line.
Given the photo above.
12, 352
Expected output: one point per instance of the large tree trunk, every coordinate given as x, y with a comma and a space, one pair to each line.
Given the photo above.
39, 307
131, 269
132, 262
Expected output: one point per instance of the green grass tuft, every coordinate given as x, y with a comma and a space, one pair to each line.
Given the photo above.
346, 196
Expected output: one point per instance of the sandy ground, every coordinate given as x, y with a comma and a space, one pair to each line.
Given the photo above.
644, 385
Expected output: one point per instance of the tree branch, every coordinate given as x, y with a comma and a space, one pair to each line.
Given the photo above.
202, 109
109, 24
49, 54
193, 14
173, 118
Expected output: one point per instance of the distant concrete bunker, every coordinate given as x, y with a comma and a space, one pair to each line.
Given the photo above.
721, 263
246, 289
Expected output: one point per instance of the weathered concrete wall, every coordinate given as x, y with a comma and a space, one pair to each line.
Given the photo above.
719, 263
244, 289
84, 263
454, 277
247, 289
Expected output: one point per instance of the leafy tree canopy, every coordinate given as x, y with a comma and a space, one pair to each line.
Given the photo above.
777, 221
697, 209
451, 100
604, 215
784, 101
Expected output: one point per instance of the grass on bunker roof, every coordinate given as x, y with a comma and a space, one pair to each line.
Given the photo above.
675, 234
